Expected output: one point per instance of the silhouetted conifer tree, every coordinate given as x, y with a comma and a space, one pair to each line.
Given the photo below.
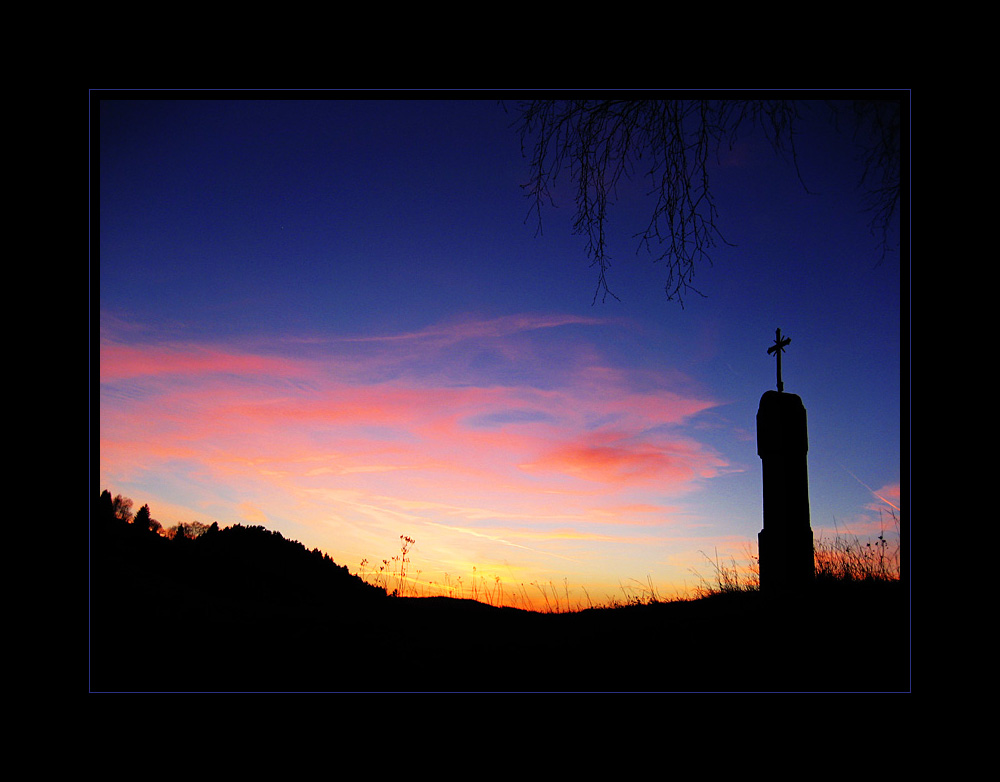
105, 508
142, 519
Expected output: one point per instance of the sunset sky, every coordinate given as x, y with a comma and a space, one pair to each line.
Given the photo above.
331, 318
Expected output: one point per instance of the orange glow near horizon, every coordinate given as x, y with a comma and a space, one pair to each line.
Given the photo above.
345, 451
575, 481
327, 317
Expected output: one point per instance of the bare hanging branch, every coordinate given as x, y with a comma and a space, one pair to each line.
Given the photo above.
671, 142
877, 130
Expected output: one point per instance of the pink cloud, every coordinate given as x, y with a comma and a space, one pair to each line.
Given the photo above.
407, 435
119, 362
889, 495
433, 415
615, 458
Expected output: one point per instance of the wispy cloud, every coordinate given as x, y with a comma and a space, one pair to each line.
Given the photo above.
472, 327
632, 459
889, 494
567, 452
120, 362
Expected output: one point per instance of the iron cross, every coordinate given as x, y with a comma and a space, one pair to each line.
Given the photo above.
778, 348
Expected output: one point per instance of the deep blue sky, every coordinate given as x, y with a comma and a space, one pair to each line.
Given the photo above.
386, 241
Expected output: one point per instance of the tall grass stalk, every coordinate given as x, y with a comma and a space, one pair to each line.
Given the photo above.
846, 558
728, 578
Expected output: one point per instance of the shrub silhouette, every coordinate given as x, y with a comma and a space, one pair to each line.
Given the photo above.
248, 610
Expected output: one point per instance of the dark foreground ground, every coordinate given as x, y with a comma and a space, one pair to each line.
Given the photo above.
158, 628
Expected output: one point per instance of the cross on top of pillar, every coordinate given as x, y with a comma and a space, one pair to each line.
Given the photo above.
778, 348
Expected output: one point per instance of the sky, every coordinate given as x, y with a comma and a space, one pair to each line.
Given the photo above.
334, 317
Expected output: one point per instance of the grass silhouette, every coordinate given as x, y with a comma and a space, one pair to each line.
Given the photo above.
244, 609
847, 559
843, 559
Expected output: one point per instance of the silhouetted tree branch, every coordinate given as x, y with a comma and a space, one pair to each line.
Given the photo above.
877, 130
123, 508
672, 142
188, 530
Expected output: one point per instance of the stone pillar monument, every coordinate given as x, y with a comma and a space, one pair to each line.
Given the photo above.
785, 544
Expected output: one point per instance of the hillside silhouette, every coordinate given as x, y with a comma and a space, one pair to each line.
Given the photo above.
244, 609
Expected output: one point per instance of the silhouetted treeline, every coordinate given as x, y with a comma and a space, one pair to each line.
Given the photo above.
245, 609
206, 606
239, 560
